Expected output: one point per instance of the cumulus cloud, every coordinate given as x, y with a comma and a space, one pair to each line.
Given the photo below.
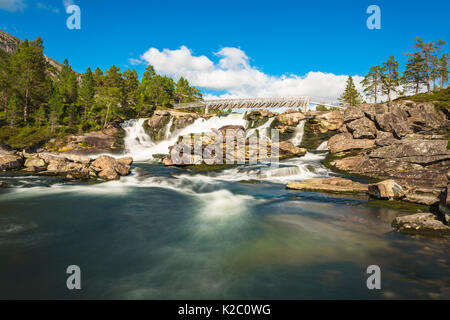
234, 75
12, 5
68, 3
44, 6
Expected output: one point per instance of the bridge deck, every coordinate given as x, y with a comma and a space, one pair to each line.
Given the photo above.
250, 103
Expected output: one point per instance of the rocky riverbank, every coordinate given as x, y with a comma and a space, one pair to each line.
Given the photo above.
70, 166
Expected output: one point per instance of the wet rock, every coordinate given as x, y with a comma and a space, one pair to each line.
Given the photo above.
105, 165
362, 128
421, 224
128, 161
36, 162
287, 149
425, 197
329, 185
388, 189
109, 173
345, 141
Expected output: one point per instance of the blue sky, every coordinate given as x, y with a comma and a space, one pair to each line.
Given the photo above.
275, 40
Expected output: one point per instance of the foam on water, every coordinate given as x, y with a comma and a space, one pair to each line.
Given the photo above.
299, 133
140, 146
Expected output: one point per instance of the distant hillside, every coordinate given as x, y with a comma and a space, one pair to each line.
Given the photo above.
9, 44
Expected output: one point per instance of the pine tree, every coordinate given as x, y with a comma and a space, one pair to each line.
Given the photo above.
350, 96
131, 85
443, 70
87, 92
5, 82
185, 93
414, 76
391, 78
68, 84
28, 67
14, 110
40, 116
98, 78
372, 82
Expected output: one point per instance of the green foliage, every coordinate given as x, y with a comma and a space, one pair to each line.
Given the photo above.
37, 101
372, 82
350, 96
390, 78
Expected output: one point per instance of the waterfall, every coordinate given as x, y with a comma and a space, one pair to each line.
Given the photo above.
263, 129
140, 146
167, 133
299, 132
323, 146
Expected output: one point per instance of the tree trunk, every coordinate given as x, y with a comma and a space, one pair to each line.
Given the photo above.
25, 107
107, 115
5, 107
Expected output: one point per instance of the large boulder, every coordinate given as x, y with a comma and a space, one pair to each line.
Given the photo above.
396, 121
345, 141
421, 224
388, 189
287, 149
35, 162
425, 115
385, 139
414, 151
290, 118
329, 185
362, 128
105, 165
353, 113
331, 121
10, 161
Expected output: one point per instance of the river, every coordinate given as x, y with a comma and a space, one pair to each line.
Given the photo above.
168, 233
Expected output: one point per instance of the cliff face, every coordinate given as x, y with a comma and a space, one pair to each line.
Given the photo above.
9, 44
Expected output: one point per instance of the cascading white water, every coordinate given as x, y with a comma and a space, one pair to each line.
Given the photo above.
263, 130
299, 133
323, 146
167, 132
140, 146
136, 140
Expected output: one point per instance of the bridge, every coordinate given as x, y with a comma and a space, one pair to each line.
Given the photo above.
256, 103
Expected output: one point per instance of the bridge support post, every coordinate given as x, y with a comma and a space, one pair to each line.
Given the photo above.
206, 109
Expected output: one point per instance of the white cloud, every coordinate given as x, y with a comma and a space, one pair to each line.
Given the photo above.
44, 6
12, 5
68, 3
234, 75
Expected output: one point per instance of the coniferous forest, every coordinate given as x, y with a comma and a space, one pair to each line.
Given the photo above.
39, 100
